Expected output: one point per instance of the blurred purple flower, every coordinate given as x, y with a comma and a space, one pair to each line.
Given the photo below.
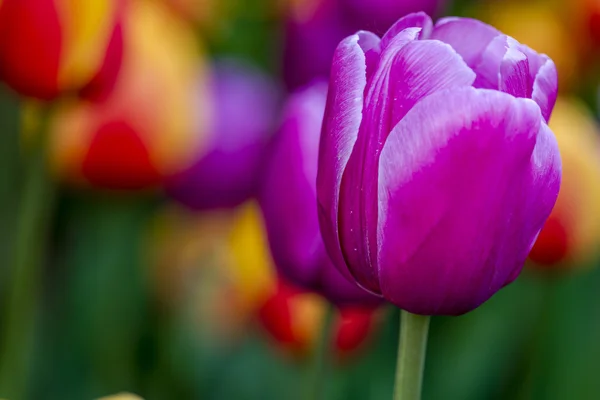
436, 168
315, 27
289, 202
245, 103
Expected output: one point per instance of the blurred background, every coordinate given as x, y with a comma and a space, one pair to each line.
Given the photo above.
133, 252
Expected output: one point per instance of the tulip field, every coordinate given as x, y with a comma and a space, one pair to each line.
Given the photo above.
299, 199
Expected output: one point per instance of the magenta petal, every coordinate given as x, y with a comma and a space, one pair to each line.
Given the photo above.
514, 74
340, 130
422, 68
468, 37
288, 195
415, 20
341, 291
545, 172
288, 202
545, 88
449, 239
415, 70
487, 67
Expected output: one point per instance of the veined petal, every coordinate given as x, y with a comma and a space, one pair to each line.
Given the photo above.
545, 88
414, 20
340, 290
288, 192
503, 66
448, 238
469, 37
514, 74
408, 71
340, 129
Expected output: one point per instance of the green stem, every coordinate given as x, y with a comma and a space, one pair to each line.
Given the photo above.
20, 314
321, 352
411, 356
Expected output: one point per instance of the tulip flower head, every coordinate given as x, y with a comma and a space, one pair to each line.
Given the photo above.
227, 172
570, 237
437, 169
48, 47
288, 201
148, 127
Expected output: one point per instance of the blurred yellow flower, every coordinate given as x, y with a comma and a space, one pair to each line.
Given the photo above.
215, 263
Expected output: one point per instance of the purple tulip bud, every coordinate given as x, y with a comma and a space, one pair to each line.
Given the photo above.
436, 167
315, 27
289, 202
245, 104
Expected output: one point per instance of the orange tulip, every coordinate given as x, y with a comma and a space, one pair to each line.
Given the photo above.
48, 47
147, 128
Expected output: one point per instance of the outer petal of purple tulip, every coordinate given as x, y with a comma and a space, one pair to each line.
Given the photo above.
514, 74
341, 291
546, 170
487, 67
469, 37
448, 238
288, 202
340, 130
288, 195
545, 88
415, 20
245, 103
408, 71
544, 78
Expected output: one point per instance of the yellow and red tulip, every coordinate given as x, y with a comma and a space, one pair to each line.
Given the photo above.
48, 47
149, 125
293, 318
571, 236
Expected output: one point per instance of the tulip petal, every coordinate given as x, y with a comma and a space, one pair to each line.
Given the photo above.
448, 239
340, 130
414, 20
467, 36
514, 74
289, 190
415, 70
341, 291
545, 88
509, 66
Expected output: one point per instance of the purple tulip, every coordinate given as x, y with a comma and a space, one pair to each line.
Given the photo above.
436, 168
245, 103
289, 197
314, 28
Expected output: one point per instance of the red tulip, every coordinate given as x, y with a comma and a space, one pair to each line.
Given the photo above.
151, 124
48, 47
